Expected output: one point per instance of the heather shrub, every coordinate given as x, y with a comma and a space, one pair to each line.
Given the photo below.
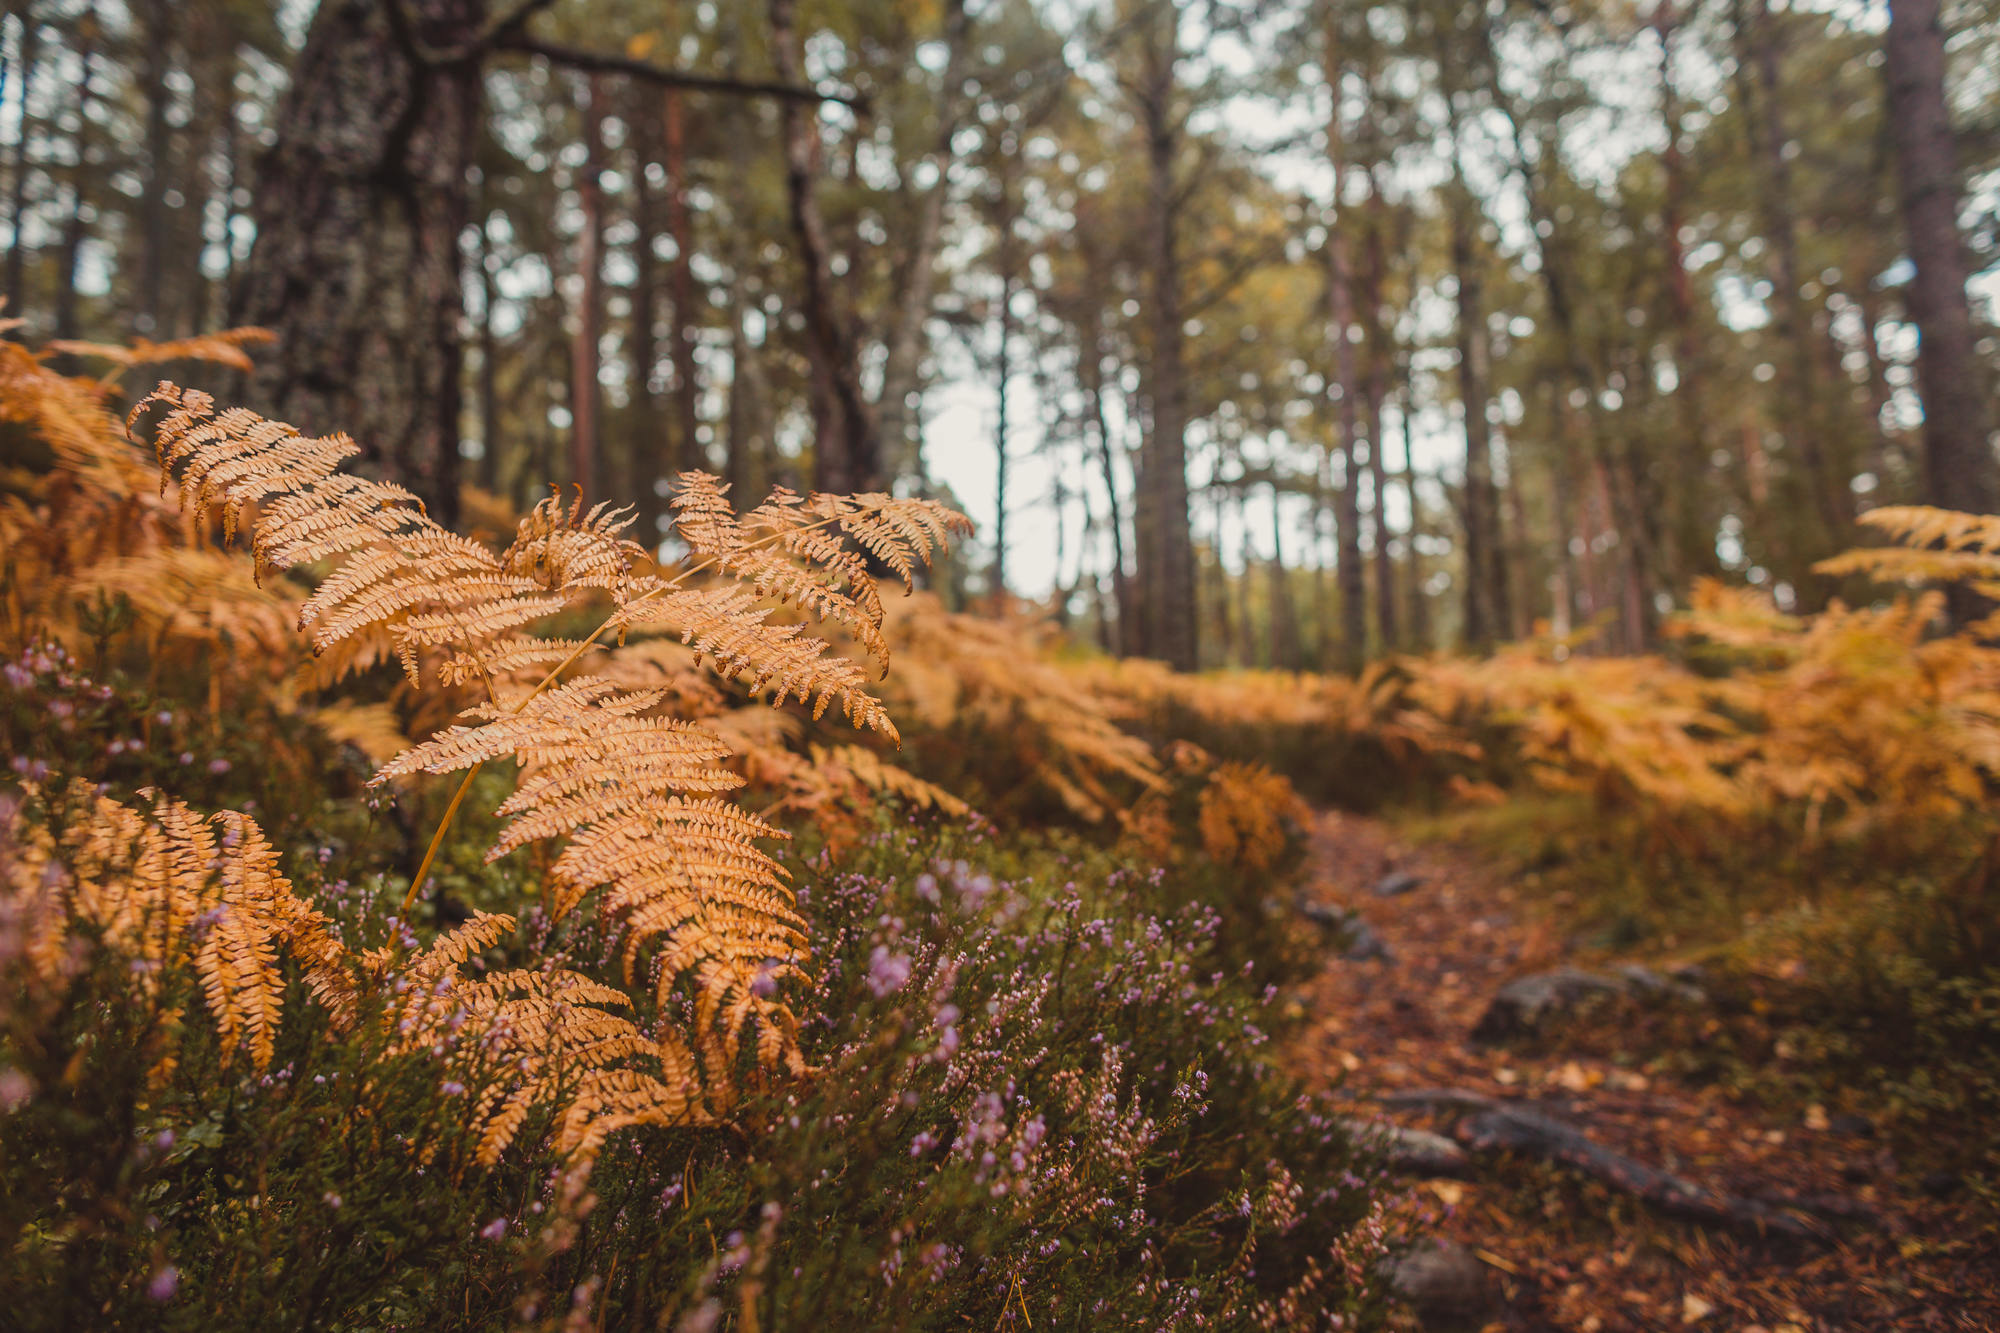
1034, 1094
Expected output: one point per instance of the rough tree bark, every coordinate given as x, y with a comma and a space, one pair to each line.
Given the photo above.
17, 196
1352, 578
586, 395
360, 203
648, 446
80, 176
358, 211
155, 25
1959, 468
684, 450
847, 452
1166, 544
1375, 326
902, 364
1802, 424
1484, 617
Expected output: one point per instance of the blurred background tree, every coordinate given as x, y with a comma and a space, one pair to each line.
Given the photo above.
1290, 334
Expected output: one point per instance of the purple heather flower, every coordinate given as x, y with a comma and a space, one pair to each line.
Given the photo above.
218, 766
163, 1283
17, 675
887, 971
927, 888
494, 1230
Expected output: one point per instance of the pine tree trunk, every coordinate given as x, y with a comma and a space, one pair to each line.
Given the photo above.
1004, 373
154, 24
17, 196
684, 449
1481, 510
846, 448
1091, 337
1959, 468
586, 397
66, 325
1166, 545
1420, 603
901, 431
1352, 578
1375, 328
489, 371
359, 207
647, 441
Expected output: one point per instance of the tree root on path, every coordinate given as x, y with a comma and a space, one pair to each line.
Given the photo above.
1489, 1126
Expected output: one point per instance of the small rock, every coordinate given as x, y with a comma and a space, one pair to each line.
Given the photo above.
1442, 1280
1941, 1184
1645, 983
1524, 1004
1322, 914
1364, 944
1397, 884
1416, 1152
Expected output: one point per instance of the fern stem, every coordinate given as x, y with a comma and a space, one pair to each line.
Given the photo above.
437, 839
458, 797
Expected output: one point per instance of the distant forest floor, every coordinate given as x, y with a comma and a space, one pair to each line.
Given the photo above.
1597, 1188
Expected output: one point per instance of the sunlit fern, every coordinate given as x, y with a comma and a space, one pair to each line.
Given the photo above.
639, 797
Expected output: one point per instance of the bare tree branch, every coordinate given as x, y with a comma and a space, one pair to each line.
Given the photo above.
604, 62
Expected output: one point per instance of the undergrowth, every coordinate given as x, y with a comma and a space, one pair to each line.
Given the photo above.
291, 1037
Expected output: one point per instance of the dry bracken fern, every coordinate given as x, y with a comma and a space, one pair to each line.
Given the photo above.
176, 888
635, 793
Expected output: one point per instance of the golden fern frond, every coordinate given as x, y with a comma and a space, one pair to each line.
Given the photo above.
543, 1038
1899, 564
169, 889
795, 549
730, 630
1950, 529
399, 569
874, 773
1935, 546
221, 348
574, 549
597, 770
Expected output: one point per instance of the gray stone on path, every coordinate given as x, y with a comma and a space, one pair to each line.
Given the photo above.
1414, 1152
1525, 1003
1443, 1282
1364, 944
1396, 884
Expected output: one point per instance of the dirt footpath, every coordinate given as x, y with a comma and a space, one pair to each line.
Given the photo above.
1591, 1193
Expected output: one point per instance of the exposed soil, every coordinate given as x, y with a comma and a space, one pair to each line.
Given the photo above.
1563, 1248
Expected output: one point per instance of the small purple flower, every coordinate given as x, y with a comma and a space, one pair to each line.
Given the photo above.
163, 1140
927, 888
454, 1089
218, 766
494, 1230
922, 1143
165, 1280
164, 718
17, 675
887, 971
